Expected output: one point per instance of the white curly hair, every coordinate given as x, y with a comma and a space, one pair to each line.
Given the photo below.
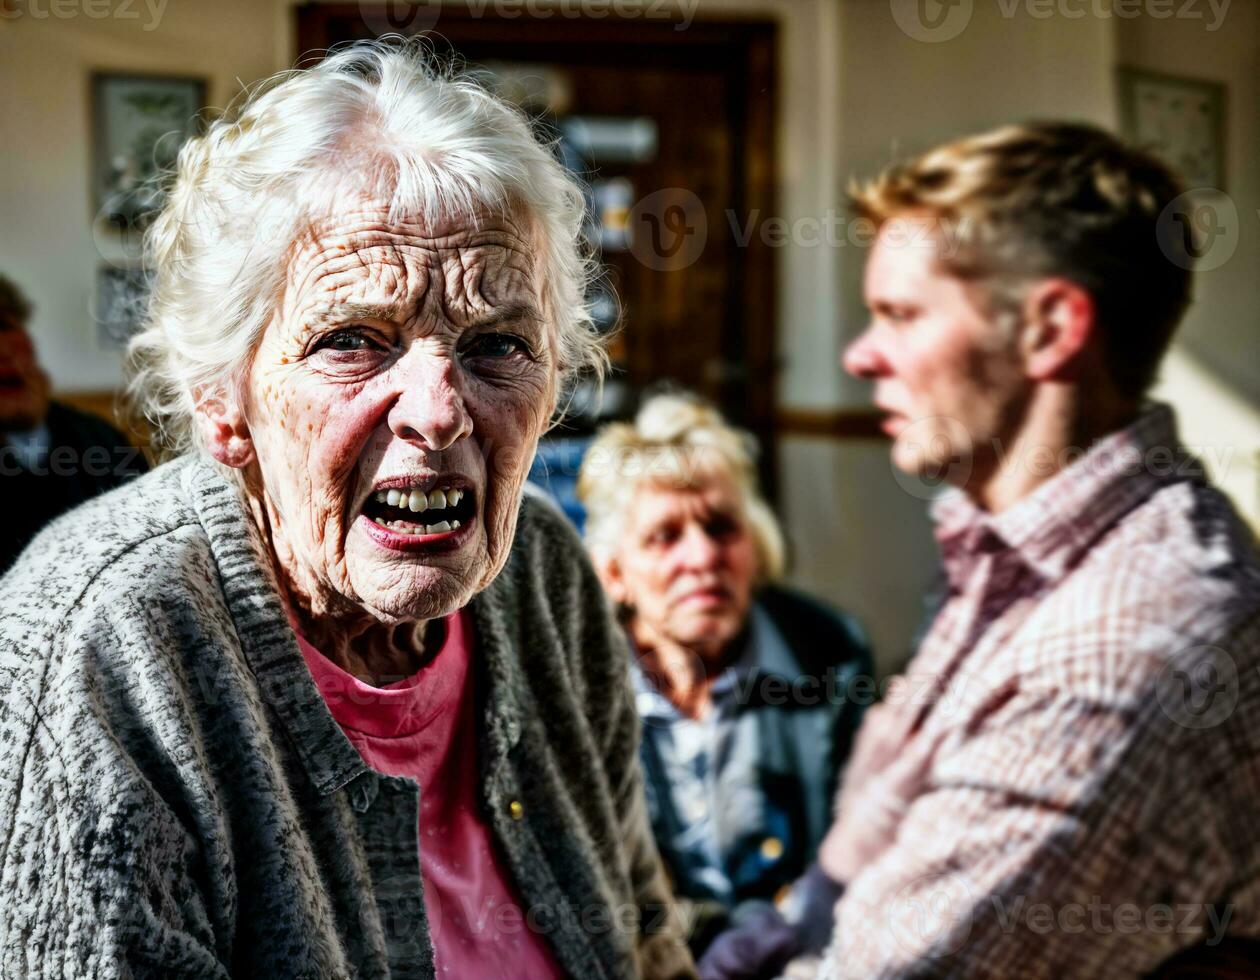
383, 118
675, 440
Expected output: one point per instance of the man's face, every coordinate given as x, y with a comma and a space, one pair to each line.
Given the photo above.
686, 566
23, 385
408, 360
948, 377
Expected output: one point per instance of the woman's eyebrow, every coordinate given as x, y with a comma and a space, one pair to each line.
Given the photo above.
345, 312
507, 314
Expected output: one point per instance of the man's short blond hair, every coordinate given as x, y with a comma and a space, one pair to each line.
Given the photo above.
675, 440
1024, 202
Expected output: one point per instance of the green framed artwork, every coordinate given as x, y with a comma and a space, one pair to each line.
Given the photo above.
1182, 120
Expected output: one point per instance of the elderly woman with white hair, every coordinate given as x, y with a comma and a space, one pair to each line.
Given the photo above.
746, 689
325, 695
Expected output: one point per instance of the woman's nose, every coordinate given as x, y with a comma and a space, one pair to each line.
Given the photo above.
698, 550
430, 408
862, 358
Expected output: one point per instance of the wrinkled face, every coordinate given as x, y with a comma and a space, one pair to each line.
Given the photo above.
23, 386
686, 566
948, 377
395, 403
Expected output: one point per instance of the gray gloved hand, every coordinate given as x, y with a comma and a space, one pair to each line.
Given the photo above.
810, 908
758, 944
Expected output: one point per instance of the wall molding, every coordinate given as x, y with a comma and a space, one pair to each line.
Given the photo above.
840, 423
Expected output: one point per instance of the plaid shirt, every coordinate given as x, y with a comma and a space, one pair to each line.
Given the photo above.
1066, 780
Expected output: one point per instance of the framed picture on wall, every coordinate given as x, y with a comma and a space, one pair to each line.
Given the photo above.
139, 123
1182, 120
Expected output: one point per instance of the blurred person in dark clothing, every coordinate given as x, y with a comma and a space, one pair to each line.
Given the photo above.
742, 685
53, 457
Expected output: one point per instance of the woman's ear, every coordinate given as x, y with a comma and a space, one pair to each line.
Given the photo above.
224, 431
609, 573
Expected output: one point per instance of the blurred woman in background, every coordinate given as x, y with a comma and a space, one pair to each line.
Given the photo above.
741, 684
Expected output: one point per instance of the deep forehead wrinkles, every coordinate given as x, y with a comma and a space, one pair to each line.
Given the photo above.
361, 258
480, 280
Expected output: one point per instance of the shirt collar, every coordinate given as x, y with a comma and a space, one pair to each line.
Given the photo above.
1054, 525
765, 653
29, 446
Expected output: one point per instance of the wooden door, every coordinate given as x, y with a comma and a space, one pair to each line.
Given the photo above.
697, 303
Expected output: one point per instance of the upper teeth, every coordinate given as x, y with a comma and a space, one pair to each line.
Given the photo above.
417, 500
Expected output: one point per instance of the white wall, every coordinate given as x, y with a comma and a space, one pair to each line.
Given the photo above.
46, 239
1212, 375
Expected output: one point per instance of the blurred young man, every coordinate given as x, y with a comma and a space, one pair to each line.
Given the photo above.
1066, 781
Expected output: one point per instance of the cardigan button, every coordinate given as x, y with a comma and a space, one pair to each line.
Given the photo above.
516, 809
772, 848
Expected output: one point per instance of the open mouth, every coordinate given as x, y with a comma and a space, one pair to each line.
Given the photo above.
415, 511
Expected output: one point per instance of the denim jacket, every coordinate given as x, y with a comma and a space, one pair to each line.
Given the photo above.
740, 800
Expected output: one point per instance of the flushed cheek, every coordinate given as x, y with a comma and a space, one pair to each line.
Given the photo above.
510, 428
315, 442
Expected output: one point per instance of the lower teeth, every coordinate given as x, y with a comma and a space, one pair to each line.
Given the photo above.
402, 528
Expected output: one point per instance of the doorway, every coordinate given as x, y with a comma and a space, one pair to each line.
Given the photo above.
672, 126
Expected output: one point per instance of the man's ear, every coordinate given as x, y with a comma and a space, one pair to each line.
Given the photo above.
1060, 323
223, 430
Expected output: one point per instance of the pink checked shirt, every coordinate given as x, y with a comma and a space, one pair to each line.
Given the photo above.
1066, 781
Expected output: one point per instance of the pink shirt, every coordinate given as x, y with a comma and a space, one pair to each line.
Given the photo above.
423, 727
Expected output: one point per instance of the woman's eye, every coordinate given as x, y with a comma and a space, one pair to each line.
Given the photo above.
662, 537
495, 345
347, 342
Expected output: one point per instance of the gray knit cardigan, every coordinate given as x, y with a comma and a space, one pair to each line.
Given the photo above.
177, 801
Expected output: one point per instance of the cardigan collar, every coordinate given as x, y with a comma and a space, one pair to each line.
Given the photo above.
267, 640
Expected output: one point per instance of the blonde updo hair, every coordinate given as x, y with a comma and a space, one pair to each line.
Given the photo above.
676, 440
378, 120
